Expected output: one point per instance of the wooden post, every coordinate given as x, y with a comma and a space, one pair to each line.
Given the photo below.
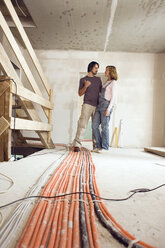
115, 137
5, 112
50, 115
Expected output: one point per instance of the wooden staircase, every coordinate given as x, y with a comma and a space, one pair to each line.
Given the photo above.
12, 89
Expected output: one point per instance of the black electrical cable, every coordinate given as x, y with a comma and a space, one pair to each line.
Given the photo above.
83, 224
108, 225
143, 190
92, 194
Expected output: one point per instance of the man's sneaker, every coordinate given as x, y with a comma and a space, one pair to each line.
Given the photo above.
97, 150
76, 149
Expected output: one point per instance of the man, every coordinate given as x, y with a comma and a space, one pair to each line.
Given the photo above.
90, 86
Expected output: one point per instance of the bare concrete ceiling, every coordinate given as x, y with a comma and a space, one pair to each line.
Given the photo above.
98, 25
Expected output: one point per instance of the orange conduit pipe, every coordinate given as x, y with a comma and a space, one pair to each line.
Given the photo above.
68, 188
31, 225
56, 222
55, 232
73, 238
76, 221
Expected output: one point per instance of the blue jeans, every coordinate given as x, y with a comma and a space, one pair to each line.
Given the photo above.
102, 139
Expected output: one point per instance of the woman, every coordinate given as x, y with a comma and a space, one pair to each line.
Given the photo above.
104, 109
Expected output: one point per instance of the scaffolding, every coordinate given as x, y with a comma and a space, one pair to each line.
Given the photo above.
16, 99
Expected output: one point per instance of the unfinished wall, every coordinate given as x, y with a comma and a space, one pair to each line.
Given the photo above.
141, 88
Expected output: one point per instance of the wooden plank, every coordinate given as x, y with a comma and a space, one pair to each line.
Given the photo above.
4, 124
1, 69
18, 54
22, 124
7, 66
5, 138
31, 113
3, 86
32, 138
50, 115
156, 150
7, 115
2, 110
28, 106
2, 148
18, 138
9, 70
27, 43
28, 94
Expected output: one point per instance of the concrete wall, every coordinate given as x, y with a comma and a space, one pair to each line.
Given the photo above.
141, 90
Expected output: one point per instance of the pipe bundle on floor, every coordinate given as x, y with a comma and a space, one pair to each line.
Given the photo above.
70, 221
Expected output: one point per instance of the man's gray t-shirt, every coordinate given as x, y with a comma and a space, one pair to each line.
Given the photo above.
91, 95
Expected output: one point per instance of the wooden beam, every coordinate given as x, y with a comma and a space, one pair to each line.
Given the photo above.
27, 105
18, 54
3, 86
31, 113
2, 137
9, 70
18, 138
156, 150
49, 115
22, 124
4, 124
5, 112
27, 43
32, 138
29, 95
7, 115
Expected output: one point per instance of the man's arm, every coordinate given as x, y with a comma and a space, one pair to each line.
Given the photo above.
83, 90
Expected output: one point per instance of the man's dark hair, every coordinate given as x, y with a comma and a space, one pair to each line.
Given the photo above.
91, 65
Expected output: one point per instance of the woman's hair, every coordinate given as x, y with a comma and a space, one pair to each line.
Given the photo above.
91, 65
112, 72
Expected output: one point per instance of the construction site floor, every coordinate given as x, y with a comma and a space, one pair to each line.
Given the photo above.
118, 171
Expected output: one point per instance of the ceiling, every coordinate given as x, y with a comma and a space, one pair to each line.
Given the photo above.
97, 25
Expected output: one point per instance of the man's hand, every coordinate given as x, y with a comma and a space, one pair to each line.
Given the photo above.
107, 112
87, 83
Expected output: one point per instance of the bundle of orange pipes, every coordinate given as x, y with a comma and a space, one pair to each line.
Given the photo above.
70, 221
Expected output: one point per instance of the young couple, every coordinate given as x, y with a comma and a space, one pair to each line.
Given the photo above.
98, 104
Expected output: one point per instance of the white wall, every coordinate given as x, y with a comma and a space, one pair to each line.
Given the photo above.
141, 90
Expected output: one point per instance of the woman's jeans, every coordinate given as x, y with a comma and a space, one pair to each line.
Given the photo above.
102, 139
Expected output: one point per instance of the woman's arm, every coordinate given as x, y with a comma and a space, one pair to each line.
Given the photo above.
112, 102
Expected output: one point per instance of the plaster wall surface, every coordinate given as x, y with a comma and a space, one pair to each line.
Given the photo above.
140, 102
